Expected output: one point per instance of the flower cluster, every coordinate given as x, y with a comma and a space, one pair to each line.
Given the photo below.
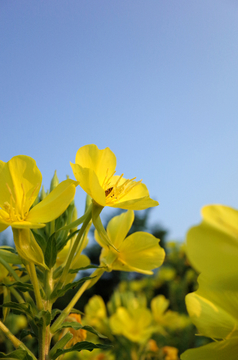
48, 245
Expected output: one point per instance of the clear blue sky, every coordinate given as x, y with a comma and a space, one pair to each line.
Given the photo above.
156, 81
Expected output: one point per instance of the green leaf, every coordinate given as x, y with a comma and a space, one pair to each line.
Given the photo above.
76, 311
63, 241
8, 248
76, 326
21, 286
61, 292
9, 256
17, 354
75, 223
40, 239
51, 251
83, 345
25, 333
55, 312
41, 316
19, 308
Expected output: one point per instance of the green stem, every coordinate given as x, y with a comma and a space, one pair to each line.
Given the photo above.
14, 291
17, 343
10, 269
32, 272
97, 273
42, 341
73, 250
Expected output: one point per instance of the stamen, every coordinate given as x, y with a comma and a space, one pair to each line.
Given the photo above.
118, 180
33, 192
23, 203
106, 181
10, 191
129, 188
105, 178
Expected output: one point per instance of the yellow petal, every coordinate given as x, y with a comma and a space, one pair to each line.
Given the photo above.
137, 198
54, 204
119, 226
96, 308
212, 251
227, 349
222, 217
22, 177
89, 182
134, 325
159, 305
214, 310
141, 250
100, 161
3, 226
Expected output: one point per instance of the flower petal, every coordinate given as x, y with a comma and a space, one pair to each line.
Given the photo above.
134, 325
212, 251
54, 204
3, 226
142, 251
119, 226
213, 310
222, 217
138, 198
220, 350
23, 177
159, 304
89, 182
102, 162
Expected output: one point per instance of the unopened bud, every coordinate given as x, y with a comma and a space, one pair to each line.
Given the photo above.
54, 181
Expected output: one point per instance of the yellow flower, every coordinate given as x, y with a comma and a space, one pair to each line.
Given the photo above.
95, 354
94, 170
165, 318
138, 252
152, 346
20, 182
134, 324
171, 353
214, 311
212, 246
96, 315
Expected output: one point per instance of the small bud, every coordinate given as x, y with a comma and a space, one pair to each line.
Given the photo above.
43, 194
54, 182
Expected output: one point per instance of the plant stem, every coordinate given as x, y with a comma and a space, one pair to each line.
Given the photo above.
98, 273
10, 269
42, 341
14, 291
73, 250
32, 272
17, 343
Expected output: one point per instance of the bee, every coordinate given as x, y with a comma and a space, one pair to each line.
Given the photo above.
108, 191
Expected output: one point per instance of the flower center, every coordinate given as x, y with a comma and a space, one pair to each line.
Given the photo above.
14, 211
117, 191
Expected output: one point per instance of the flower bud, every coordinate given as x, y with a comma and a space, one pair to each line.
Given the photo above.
54, 181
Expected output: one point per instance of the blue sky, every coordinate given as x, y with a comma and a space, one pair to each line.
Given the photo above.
156, 81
